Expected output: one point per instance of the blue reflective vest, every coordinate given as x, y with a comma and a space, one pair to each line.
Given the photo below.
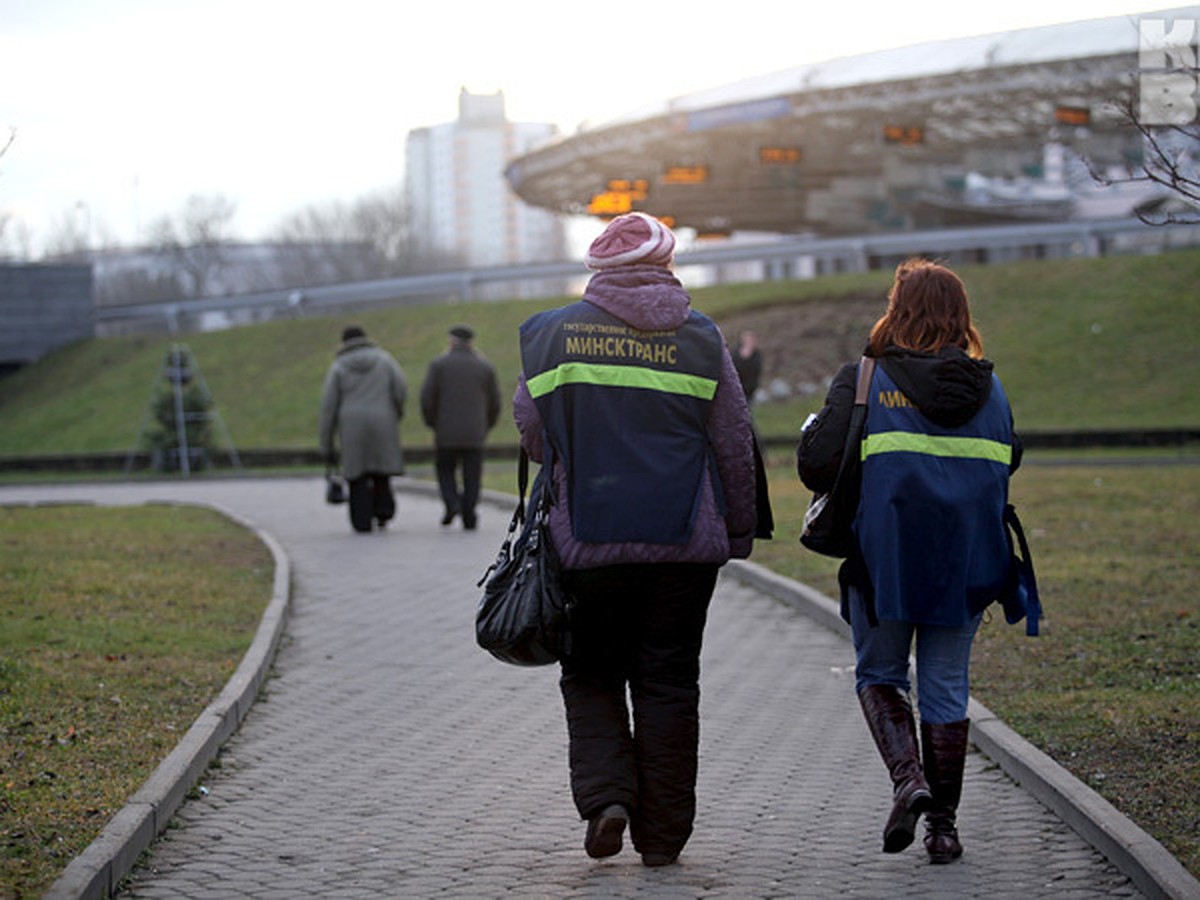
930, 521
626, 412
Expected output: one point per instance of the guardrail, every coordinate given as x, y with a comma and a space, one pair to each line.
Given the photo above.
303, 457
855, 253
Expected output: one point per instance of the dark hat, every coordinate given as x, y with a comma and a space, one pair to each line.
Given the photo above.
462, 332
352, 331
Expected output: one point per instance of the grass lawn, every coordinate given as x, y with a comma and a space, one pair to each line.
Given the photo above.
117, 627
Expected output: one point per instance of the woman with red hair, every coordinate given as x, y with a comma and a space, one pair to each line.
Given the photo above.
930, 551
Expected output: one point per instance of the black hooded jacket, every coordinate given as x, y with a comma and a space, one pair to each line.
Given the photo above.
948, 387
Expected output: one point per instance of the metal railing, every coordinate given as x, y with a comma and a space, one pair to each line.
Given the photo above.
780, 258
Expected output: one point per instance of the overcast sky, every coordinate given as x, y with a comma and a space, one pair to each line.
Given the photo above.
124, 108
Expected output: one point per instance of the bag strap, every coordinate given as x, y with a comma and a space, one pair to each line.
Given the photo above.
544, 499
1024, 562
866, 371
858, 415
522, 487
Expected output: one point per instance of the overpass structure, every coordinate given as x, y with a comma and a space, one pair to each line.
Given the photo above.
983, 130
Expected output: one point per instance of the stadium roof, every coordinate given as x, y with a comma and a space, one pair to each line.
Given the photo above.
927, 135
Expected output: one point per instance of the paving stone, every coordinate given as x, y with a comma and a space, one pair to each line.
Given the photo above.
389, 756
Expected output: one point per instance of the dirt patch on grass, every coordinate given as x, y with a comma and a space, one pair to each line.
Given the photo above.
806, 342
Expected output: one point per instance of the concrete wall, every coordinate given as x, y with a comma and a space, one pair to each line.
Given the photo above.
43, 308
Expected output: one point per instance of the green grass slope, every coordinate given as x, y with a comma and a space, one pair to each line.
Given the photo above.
1080, 343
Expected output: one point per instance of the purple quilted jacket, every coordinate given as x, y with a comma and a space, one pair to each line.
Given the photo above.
650, 298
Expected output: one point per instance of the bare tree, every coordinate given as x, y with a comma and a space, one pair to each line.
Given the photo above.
1164, 113
137, 285
1171, 160
367, 239
9, 239
15, 240
68, 239
196, 241
381, 219
320, 245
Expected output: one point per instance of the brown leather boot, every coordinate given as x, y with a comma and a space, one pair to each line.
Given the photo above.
889, 715
945, 752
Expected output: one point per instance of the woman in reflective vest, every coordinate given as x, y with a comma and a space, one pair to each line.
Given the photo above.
631, 400
932, 552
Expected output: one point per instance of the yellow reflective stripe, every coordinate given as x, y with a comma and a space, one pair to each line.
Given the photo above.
936, 445
622, 376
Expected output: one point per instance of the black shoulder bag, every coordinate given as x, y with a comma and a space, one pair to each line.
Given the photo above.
523, 617
335, 486
830, 516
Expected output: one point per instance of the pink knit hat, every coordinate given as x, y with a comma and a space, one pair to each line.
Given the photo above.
634, 238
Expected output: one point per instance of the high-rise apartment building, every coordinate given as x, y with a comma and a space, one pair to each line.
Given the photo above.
460, 203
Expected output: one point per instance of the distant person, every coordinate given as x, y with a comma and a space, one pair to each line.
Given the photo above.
748, 362
630, 401
460, 401
361, 406
932, 550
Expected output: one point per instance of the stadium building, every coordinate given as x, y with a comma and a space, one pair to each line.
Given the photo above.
1021, 126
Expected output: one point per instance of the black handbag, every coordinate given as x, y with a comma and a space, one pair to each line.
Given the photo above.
335, 487
829, 518
523, 617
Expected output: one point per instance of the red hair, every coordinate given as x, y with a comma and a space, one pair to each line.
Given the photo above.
927, 310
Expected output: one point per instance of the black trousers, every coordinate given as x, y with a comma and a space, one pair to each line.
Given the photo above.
371, 497
459, 501
637, 628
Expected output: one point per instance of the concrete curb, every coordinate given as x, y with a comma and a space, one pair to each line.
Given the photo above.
1155, 872
100, 868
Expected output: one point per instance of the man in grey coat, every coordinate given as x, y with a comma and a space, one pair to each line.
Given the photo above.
361, 405
460, 401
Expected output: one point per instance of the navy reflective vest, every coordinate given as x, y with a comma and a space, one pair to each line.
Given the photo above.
626, 412
930, 523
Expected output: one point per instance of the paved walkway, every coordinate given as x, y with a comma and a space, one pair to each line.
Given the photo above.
390, 757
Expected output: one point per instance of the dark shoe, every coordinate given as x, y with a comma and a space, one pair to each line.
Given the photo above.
890, 718
945, 752
384, 506
941, 840
448, 517
907, 806
469, 521
604, 832
655, 860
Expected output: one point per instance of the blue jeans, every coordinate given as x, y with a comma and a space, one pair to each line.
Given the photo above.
943, 661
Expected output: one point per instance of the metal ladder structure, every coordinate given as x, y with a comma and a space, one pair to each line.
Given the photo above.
179, 370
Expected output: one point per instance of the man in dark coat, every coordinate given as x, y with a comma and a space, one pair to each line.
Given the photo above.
460, 401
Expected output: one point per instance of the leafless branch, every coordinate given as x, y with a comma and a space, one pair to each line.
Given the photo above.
1171, 161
